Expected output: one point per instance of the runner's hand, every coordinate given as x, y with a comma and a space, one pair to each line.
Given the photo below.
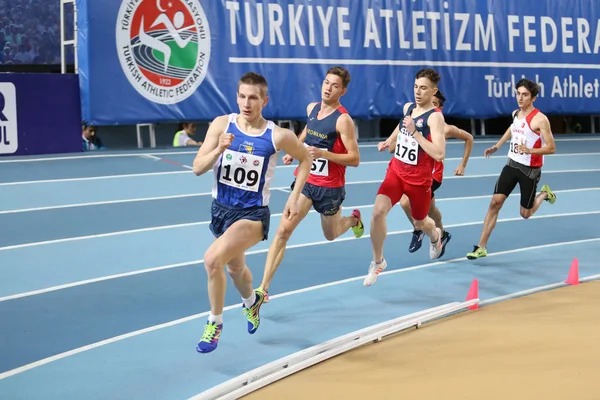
225, 141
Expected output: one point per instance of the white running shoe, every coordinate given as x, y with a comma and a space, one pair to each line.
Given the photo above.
374, 270
435, 249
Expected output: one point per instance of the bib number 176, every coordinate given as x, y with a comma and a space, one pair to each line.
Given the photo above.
406, 154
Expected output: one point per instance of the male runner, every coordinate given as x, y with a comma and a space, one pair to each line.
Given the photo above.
420, 142
241, 149
530, 139
450, 131
331, 141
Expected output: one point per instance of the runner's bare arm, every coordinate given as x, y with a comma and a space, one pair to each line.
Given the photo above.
436, 148
504, 137
491, 150
451, 131
287, 159
390, 142
541, 124
288, 142
214, 145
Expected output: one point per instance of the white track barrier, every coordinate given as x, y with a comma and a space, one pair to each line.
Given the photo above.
279, 369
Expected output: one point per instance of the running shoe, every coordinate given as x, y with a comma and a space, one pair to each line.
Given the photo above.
253, 313
374, 270
551, 196
417, 240
436, 248
358, 229
445, 239
478, 252
210, 338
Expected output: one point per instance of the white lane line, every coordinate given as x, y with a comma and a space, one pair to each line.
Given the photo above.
91, 178
295, 246
188, 224
165, 153
284, 189
105, 342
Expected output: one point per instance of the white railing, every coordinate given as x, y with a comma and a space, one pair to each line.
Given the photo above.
251, 381
70, 42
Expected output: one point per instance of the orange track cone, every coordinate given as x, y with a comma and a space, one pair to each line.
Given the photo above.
573, 278
473, 294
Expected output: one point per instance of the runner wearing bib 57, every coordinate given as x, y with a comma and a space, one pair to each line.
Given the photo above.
241, 150
330, 138
419, 142
530, 139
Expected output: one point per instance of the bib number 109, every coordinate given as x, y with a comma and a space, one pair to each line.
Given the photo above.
241, 170
240, 176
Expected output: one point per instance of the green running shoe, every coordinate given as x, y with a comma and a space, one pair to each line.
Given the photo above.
551, 196
477, 252
210, 338
358, 229
253, 313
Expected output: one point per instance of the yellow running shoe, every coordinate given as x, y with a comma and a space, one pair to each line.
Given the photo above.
477, 252
551, 196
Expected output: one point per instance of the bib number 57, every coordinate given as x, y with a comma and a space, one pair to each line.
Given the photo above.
318, 165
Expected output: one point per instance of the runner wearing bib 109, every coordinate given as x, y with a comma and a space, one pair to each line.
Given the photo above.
241, 150
330, 138
419, 142
450, 131
530, 139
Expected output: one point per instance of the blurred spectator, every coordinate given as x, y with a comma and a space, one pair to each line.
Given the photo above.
184, 134
90, 140
30, 31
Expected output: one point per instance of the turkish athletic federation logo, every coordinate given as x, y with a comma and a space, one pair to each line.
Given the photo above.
164, 47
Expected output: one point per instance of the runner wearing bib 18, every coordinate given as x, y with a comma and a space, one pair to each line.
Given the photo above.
330, 138
418, 142
241, 150
530, 139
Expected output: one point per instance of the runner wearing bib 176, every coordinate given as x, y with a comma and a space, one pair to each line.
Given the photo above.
450, 131
530, 139
330, 138
241, 149
420, 142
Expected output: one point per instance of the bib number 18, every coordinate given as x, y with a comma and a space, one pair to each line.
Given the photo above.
513, 148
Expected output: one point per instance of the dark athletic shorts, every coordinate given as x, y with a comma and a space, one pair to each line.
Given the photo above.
222, 217
435, 185
326, 201
527, 178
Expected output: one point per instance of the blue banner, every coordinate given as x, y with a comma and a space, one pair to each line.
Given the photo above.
174, 60
39, 114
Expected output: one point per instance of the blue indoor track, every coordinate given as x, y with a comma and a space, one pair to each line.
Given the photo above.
103, 292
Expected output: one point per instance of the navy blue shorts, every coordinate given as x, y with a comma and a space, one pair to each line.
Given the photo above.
326, 201
222, 217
